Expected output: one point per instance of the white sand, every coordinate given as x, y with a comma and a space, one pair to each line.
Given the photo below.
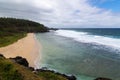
26, 47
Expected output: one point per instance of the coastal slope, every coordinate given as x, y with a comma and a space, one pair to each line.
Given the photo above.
12, 70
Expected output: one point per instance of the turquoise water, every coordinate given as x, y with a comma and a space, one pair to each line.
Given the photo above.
86, 60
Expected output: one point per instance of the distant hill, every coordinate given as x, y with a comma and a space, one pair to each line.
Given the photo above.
12, 29
21, 25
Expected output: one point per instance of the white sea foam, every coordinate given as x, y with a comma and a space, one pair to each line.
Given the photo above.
87, 38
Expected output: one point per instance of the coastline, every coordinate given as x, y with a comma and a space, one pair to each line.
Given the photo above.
26, 47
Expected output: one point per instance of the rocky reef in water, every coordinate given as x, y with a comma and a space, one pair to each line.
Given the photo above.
101, 78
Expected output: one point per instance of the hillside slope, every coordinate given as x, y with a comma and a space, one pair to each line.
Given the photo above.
12, 29
10, 70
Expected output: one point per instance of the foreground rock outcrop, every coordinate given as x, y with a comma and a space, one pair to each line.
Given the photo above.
69, 77
2, 56
21, 61
100, 78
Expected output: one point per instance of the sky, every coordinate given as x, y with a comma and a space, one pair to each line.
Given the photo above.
65, 13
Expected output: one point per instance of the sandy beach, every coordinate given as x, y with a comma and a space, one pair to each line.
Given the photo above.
26, 47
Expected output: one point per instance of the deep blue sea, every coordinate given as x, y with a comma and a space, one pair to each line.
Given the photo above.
85, 53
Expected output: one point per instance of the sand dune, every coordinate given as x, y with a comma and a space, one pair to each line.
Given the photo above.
26, 47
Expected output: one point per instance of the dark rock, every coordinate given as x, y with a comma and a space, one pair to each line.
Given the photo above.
100, 78
71, 77
53, 29
39, 70
44, 68
1, 56
31, 68
21, 61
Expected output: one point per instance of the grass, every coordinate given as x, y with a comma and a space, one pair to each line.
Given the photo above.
13, 71
10, 70
46, 75
9, 39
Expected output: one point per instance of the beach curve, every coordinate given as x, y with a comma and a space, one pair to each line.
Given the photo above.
26, 47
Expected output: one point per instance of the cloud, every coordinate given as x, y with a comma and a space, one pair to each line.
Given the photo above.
60, 13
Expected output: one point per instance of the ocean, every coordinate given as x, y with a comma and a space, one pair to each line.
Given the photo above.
86, 53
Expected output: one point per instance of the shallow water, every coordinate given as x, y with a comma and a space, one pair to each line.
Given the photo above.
85, 60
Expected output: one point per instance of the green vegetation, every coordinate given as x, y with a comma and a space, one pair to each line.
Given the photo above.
12, 29
47, 75
6, 40
21, 25
9, 70
12, 71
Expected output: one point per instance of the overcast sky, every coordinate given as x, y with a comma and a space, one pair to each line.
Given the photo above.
65, 13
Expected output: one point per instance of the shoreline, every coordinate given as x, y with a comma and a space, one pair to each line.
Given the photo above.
26, 47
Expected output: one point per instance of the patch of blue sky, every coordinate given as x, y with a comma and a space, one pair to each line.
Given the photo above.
113, 5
